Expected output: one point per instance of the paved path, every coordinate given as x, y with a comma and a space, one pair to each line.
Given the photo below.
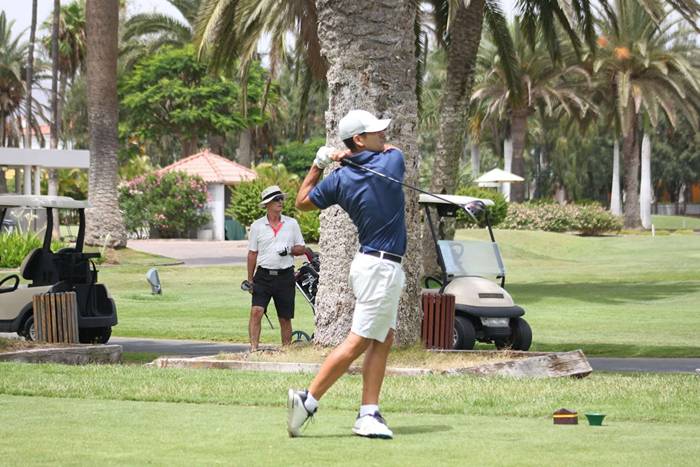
195, 252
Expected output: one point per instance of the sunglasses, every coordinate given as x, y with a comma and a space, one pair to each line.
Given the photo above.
278, 198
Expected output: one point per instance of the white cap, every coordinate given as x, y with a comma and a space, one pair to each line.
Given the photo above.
269, 193
360, 121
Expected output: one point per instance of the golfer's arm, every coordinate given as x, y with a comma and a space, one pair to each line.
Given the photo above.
252, 261
303, 202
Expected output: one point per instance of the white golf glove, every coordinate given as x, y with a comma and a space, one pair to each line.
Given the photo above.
323, 157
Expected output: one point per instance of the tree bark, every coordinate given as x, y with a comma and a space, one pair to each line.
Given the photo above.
630, 157
104, 220
507, 165
370, 48
476, 159
518, 132
615, 205
55, 117
645, 188
465, 36
244, 150
28, 107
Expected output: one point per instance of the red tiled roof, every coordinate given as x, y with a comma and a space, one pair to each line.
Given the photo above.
212, 168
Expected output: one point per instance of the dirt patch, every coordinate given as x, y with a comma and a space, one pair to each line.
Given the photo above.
15, 345
412, 357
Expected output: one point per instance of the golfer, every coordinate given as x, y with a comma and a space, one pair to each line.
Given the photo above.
376, 207
273, 241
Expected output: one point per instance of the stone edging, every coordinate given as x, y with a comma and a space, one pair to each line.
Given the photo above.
74, 355
539, 365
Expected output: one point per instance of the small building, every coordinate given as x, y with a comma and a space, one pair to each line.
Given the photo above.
218, 173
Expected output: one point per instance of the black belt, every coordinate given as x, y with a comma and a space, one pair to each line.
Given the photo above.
275, 272
383, 255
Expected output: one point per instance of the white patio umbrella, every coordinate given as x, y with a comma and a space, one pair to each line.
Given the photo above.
497, 176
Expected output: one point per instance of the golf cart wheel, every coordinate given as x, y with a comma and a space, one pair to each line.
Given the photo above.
520, 336
95, 335
464, 336
28, 330
300, 336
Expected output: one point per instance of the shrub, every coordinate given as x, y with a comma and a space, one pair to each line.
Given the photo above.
589, 219
14, 246
171, 204
497, 212
298, 157
309, 224
593, 219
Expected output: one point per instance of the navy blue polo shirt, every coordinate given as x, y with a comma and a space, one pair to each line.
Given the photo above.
375, 204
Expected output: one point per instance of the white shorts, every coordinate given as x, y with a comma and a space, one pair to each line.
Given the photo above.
377, 284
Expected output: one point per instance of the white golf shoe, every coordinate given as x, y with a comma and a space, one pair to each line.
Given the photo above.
297, 415
372, 426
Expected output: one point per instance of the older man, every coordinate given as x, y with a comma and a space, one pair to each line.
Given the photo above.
274, 240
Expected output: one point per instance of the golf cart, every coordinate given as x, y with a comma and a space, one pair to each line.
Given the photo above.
484, 311
68, 269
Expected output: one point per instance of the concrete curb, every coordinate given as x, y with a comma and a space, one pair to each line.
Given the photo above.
74, 355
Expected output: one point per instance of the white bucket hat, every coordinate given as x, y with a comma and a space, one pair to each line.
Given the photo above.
360, 121
269, 193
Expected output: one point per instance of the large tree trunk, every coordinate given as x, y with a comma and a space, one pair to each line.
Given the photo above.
244, 152
630, 157
372, 66
28, 107
507, 165
104, 220
476, 159
518, 132
645, 188
615, 204
465, 35
55, 117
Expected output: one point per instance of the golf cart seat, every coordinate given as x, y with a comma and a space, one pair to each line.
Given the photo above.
39, 267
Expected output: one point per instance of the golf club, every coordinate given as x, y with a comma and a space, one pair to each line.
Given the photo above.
477, 208
248, 287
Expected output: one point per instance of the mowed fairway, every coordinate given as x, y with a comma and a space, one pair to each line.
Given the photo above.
125, 415
616, 295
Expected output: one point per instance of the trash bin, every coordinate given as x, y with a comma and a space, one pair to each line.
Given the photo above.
234, 230
56, 317
437, 330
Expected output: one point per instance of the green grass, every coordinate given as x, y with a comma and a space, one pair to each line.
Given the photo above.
133, 415
675, 222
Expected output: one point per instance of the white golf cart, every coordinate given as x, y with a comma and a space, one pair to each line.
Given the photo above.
484, 311
68, 269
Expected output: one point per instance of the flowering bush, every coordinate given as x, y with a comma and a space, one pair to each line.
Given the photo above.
589, 219
172, 204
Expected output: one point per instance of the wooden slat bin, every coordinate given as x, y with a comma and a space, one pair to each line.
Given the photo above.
56, 317
438, 320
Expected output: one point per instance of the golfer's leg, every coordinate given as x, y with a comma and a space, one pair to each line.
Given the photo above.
374, 367
286, 330
256, 314
337, 363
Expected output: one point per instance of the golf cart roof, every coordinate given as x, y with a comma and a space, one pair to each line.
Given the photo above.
457, 199
37, 201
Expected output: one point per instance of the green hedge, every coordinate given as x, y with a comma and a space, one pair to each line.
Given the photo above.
298, 157
588, 219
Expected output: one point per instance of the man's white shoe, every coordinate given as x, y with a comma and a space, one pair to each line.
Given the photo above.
297, 414
372, 426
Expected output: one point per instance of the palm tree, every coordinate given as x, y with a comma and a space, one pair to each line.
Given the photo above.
368, 71
641, 69
145, 33
541, 82
28, 104
105, 226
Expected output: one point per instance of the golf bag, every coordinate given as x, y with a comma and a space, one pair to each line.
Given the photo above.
306, 280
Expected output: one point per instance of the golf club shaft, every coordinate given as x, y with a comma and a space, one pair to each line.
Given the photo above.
420, 190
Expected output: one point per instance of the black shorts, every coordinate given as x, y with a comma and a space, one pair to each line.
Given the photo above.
279, 287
